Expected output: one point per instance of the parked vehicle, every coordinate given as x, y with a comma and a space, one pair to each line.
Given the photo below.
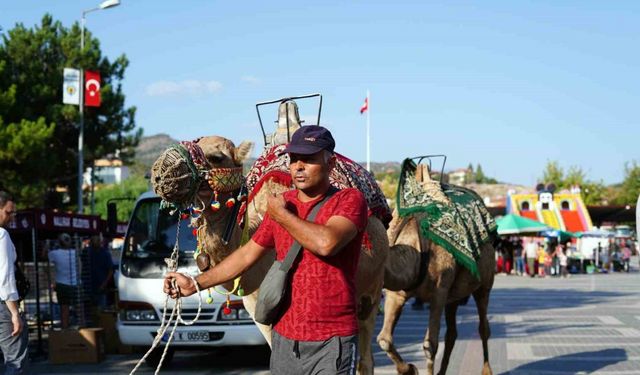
150, 238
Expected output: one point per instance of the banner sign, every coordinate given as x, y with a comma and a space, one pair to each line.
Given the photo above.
71, 86
56, 221
91, 89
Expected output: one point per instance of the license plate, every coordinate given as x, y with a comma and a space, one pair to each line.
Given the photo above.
188, 336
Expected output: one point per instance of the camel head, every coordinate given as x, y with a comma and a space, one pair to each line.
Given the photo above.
204, 177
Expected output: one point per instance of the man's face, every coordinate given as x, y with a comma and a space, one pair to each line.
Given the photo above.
7, 213
310, 171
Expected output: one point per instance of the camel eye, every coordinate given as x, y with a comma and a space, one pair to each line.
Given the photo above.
216, 158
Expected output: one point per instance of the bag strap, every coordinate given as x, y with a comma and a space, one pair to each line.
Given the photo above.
295, 248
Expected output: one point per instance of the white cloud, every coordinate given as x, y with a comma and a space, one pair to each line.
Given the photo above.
186, 87
251, 80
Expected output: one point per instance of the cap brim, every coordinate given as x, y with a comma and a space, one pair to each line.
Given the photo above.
302, 149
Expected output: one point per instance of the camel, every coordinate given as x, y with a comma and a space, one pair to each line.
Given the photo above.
446, 285
222, 155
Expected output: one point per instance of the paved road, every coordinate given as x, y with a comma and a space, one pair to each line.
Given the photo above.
587, 324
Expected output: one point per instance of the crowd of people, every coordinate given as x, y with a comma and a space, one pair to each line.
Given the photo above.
533, 256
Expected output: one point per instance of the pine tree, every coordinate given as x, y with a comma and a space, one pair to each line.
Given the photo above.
479, 175
39, 134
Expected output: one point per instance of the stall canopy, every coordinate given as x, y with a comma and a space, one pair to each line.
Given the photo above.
47, 220
515, 224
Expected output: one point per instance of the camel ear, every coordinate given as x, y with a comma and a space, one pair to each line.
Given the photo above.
242, 152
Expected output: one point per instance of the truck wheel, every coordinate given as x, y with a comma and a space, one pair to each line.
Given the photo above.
154, 357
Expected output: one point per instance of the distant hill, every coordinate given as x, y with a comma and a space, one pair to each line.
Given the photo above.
151, 147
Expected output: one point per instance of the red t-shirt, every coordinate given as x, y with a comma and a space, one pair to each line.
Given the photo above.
322, 299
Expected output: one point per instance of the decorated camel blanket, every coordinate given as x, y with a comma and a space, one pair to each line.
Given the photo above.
272, 165
460, 223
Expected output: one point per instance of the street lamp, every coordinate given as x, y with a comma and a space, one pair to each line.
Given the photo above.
103, 5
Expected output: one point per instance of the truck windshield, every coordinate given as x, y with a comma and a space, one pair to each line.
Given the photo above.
150, 239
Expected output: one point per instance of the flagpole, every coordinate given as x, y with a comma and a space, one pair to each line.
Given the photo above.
368, 131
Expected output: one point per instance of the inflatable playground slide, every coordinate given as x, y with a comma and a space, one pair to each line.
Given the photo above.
564, 211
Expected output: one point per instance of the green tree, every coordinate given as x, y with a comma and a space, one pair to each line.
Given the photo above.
469, 176
129, 188
479, 175
553, 173
593, 193
630, 187
575, 177
19, 141
31, 67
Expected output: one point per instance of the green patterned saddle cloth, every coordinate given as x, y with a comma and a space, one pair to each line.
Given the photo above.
461, 226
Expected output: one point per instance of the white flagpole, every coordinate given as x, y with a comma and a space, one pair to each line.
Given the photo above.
368, 131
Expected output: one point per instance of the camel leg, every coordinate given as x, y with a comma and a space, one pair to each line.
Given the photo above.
430, 343
481, 296
250, 305
393, 303
366, 323
450, 337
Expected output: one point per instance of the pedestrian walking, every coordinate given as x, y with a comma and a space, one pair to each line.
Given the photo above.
14, 334
317, 330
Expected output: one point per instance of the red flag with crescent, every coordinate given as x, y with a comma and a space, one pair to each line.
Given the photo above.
91, 89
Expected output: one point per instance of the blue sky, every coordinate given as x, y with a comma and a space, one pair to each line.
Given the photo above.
507, 84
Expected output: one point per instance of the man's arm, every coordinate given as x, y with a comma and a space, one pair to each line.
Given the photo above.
323, 240
15, 317
9, 293
231, 267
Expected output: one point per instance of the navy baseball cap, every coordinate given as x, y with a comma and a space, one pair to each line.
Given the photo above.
310, 139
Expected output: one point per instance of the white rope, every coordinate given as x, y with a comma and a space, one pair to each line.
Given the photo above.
176, 311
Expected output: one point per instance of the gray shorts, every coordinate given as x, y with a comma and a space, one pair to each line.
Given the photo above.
336, 355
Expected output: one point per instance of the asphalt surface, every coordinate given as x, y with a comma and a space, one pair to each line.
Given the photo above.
586, 324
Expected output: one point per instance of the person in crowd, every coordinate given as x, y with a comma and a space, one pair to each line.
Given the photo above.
562, 260
531, 251
542, 258
100, 265
308, 338
626, 256
518, 254
65, 263
14, 335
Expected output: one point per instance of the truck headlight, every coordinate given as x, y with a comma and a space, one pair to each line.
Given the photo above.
131, 311
140, 315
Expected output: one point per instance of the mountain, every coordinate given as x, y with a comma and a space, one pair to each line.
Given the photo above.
151, 147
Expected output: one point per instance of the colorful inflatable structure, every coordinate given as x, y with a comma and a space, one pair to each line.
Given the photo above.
564, 211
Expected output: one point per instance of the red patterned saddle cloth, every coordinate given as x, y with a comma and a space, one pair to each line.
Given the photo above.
273, 165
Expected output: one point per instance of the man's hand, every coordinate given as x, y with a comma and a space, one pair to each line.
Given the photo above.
184, 286
17, 324
277, 207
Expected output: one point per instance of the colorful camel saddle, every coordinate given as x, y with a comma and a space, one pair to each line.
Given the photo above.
272, 165
460, 223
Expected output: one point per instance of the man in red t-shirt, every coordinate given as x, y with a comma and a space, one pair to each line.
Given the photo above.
317, 331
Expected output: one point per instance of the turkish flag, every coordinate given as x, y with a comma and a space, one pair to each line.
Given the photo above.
365, 106
91, 89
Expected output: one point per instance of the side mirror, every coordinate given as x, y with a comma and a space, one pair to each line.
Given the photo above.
112, 218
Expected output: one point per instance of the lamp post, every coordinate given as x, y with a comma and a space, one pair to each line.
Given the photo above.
103, 5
